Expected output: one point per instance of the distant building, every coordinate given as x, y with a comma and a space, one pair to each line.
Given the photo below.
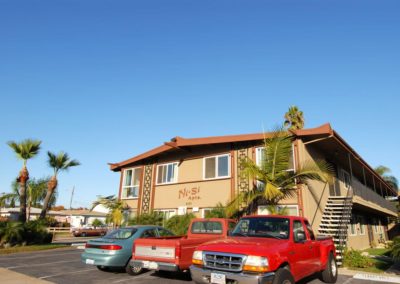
13, 213
82, 218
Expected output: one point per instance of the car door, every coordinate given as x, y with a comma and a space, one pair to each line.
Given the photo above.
314, 247
301, 254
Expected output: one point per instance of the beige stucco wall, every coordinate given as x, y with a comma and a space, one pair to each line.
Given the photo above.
316, 194
197, 194
132, 203
358, 241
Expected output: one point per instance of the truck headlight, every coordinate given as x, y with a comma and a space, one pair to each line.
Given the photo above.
197, 258
256, 264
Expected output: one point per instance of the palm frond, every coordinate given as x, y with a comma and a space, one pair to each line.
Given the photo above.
60, 161
25, 149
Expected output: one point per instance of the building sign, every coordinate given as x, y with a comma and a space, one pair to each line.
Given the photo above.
190, 194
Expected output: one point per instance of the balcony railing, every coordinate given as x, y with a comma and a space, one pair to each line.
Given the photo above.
368, 194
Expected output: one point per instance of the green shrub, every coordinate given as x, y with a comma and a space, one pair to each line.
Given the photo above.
217, 212
179, 224
153, 218
395, 248
17, 233
36, 232
354, 259
97, 223
12, 233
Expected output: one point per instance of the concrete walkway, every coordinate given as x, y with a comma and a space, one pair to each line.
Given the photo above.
11, 277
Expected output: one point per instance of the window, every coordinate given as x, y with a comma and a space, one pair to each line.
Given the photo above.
205, 211
216, 167
164, 233
122, 233
361, 224
151, 233
271, 227
291, 210
167, 213
346, 179
167, 173
207, 227
131, 183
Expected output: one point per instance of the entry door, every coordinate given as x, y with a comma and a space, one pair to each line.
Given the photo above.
302, 255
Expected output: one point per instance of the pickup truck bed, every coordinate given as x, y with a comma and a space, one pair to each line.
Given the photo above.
175, 253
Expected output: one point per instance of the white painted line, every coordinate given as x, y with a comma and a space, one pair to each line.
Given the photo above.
377, 278
40, 264
36, 256
60, 274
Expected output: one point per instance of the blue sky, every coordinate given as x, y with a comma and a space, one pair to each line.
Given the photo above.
107, 80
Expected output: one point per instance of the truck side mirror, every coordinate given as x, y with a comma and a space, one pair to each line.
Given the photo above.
300, 237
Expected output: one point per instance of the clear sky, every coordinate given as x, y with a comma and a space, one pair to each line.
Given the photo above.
107, 80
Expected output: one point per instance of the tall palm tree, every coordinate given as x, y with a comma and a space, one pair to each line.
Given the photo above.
59, 162
276, 182
115, 207
384, 173
294, 118
25, 150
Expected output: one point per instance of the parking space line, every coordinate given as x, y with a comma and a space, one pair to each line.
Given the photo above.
61, 274
40, 264
36, 256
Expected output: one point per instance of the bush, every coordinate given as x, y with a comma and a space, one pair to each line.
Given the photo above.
153, 218
395, 248
17, 233
354, 259
179, 224
97, 223
217, 212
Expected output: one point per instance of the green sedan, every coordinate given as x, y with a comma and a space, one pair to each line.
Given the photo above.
115, 248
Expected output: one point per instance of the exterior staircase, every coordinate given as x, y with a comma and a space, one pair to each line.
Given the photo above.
335, 221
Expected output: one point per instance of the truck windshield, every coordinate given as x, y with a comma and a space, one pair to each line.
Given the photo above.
123, 233
264, 227
207, 227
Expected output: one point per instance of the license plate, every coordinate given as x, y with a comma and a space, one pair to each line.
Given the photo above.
218, 278
89, 261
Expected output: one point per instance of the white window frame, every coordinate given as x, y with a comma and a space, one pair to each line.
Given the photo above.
216, 167
281, 205
175, 178
259, 151
123, 186
166, 211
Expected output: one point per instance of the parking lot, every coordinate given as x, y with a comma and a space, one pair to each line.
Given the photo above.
64, 266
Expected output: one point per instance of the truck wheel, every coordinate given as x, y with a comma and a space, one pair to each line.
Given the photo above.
330, 273
133, 270
283, 276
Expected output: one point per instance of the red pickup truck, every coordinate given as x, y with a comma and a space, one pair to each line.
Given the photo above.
266, 249
175, 253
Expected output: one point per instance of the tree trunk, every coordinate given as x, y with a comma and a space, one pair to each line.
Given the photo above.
22, 179
51, 186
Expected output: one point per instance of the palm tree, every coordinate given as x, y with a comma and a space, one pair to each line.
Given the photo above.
25, 150
36, 193
294, 119
59, 162
115, 206
276, 182
384, 173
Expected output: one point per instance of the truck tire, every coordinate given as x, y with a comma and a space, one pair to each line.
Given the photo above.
330, 273
133, 270
283, 276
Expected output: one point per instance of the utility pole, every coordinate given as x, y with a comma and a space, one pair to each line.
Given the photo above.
72, 195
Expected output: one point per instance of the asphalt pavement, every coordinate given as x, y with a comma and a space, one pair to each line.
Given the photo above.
65, 267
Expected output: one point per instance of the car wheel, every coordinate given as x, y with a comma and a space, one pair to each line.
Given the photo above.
102, 268
330, 273
83, 235
133, 270
283, 276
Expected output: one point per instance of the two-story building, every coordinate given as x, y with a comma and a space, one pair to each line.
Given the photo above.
193, 175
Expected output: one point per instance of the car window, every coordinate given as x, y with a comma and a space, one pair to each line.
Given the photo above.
165, 233
122, 233
150, 233
207, 227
